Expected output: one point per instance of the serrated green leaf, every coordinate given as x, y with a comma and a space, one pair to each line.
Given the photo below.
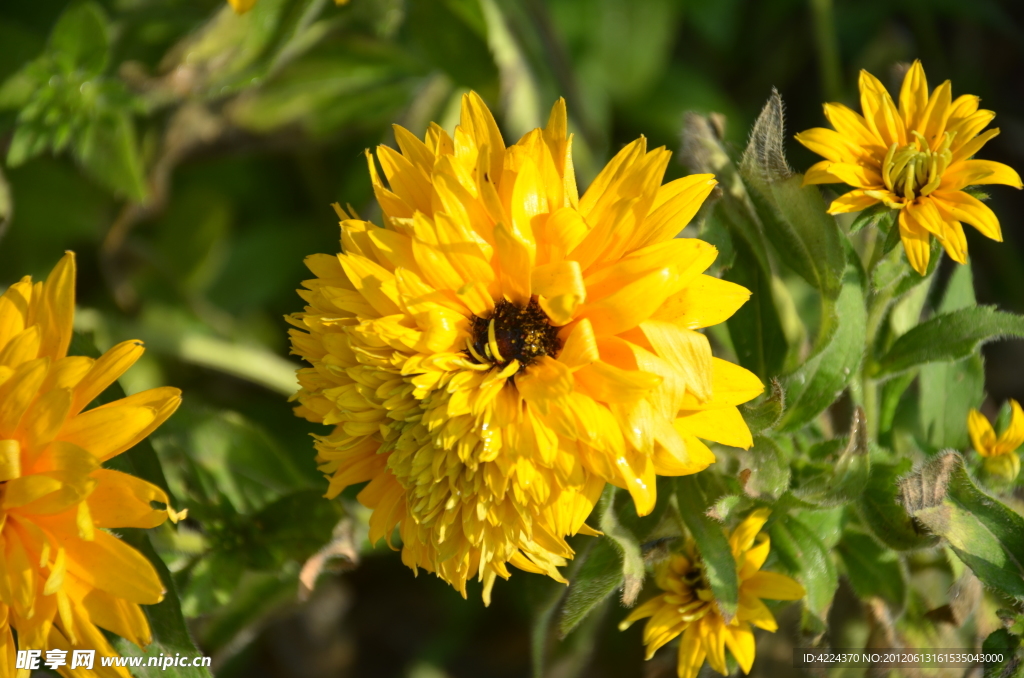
720, 566
804, 554
819, 381
880, 508
872, 569
983, 532
948, 337
79, 39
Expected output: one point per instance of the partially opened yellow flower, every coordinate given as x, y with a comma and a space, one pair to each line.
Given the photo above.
64, 575
502, 348
917, 159
688, 606
1000, 453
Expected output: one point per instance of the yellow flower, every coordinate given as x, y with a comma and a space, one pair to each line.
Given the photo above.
1000, 455
502, 347
688, 606
64, 576
917, 159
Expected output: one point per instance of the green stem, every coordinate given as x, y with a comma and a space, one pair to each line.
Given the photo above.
828, 48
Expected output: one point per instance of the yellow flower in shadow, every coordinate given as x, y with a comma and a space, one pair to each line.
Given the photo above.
688, 606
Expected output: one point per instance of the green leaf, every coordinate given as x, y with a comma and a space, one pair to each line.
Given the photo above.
803, 553
1003, 642
79, 39
626, 543
108, 151
755, 328
881, 510
766, 412
984, 533
253, 596
769, 466
597, 578
720, 566
870, 217
948, 391
872, 569
794, 216
819, 381
290, 529
948, 337
840, 480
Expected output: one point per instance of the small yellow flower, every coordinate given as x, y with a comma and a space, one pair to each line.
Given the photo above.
1000, 453
917, 158
688, 606
64, 575
502, 347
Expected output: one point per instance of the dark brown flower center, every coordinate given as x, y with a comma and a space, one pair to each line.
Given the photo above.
513, 332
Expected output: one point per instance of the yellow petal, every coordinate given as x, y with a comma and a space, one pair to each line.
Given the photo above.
818, 174
112, 566
105, 371
480, 124
122, 500
853, 126
704, 302
22, 348
852, 201
714, 642
855, 175
691, 652
687, 351
937, 111
242, 6
111, 429
675, 205
1013, 436
964, 207
632, 304
880, 113
742, 538
914, 96
774, 586
916, 241
545, 381
43, 422
561, 290
983, 437
118, 615
965, 173
580, 348
516, 257
59, 302
610, 384
725, 426
740, 641
730, 385
17, 394
830, 144
10, 460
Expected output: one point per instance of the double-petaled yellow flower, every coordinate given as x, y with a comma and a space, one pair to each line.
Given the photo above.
688, 606
63, 576
1000, 452
917, 159
502, 347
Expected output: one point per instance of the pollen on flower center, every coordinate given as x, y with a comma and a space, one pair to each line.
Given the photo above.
520, 333
916, 169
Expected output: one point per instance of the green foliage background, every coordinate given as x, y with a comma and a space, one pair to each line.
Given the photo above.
189, 156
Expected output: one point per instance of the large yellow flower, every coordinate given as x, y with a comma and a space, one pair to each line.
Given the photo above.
917, 158
1000, 452
501, 347
63, 576
688, 606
